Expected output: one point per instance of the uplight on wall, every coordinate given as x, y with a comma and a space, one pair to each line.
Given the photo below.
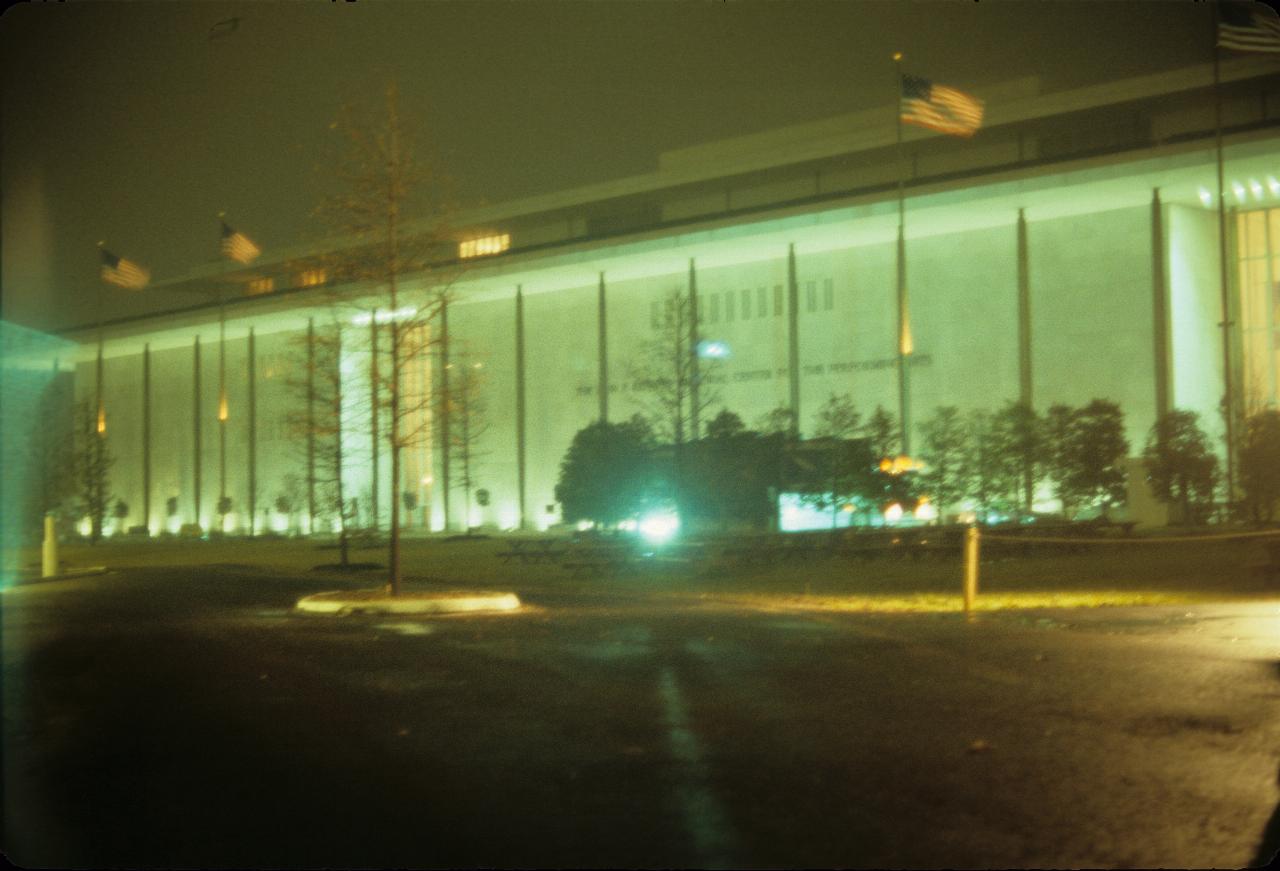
484, 246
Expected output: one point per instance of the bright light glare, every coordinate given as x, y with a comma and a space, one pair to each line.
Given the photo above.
279, 522
658, 528
584, 525
1255, 187
1238, 190
713, 350
893, 513
926, 511
1206, 198
627, 525
1274, 185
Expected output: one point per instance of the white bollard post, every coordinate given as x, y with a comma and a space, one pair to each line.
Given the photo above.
49, 550
971, 539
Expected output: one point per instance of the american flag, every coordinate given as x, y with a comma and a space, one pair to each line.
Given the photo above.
237, 246
1248, 27
939, 107
123, 273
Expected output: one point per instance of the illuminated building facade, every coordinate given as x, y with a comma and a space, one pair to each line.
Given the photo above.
1069, 251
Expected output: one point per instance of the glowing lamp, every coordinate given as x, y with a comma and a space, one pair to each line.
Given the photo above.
658, 528
893, 513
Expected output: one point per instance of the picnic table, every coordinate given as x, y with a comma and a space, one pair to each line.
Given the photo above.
532, 550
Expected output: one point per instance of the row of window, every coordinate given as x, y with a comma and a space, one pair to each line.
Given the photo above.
745, 304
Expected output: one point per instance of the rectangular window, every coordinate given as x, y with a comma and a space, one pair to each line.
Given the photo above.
311, 278
811, 296
762, 302
746, 303
261, 285
777, 300
1258, 279
828, 294
713, 311
728, 305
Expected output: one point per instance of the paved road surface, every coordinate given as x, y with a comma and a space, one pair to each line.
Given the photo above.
160, 718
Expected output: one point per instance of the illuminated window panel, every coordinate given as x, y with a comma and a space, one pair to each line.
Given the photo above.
311, 278
1258, 278
484, 246
261, 285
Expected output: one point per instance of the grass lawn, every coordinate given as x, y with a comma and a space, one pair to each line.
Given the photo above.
1111, 574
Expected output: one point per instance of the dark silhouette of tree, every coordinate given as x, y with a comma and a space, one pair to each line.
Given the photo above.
608, 473
1181, 469
386, 203
92, 460
1096, 473
733, 474
945, 446
1019, 452
674, 390
986, 474
317, 425
882, 435
1260, 465
469, 411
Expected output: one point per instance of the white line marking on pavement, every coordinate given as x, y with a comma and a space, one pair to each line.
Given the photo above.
704, 817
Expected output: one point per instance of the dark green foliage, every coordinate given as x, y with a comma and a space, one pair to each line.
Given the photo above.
1260, 465
779, 420
881, 432
986, 476
93, 461
1058, 427
732, 475
608, 474
837, 418
1181, 469
1018, 453
945, 445
1097, 450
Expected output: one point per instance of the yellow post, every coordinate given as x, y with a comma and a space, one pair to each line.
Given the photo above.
49, 552
971, 539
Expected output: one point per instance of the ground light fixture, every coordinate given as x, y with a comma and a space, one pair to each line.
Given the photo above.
659, 527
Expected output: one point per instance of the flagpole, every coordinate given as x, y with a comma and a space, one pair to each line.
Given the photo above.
1228, 398
904, 386
222, 390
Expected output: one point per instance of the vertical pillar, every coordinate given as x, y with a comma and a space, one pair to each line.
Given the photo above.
311, 426
1160, 306
253, 437
373, 415
695, 378
905, 345
196, 428
1024, 315
603, 351
444, 411
520, 431
146, 436
793, 340
222, 412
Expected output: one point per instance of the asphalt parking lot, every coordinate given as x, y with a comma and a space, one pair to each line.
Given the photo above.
182, 718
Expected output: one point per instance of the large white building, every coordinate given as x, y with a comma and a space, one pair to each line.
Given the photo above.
1070, 250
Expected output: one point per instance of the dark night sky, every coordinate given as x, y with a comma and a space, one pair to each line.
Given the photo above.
125, 122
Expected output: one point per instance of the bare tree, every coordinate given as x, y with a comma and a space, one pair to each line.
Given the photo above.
386, 205
319, 384
468, 410
671, 376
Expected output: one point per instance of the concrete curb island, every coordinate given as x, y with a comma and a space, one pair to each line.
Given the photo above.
380, 602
